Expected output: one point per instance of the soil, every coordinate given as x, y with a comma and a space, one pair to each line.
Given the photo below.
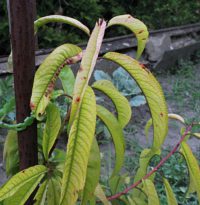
180, 105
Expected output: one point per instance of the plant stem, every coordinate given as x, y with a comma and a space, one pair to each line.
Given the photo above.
162, 161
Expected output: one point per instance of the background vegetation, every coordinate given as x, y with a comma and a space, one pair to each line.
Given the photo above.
156, 14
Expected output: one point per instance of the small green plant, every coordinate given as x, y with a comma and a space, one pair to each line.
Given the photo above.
73, 177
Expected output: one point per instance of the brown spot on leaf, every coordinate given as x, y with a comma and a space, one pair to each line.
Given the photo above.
161, 114
80, 69
78, 99
129, 16
144, 39
141, 31
32, 106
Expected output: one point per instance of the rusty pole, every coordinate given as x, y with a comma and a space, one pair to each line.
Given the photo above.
22, 13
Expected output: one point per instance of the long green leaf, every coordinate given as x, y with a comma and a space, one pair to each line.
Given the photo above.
52, 128
20, 179
136, 26
193, 167
40, 196
23, 193
87, 65
151, 192
78, 149
93, 173
60, 19
152, 92
169, 192
53, 193
117, 134
47, 74
121, 103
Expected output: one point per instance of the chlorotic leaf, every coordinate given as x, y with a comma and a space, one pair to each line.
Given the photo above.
151, 192
53, 193
193, 167
152, 92
60, 19
169, 192
40, 196
99, 192
10, 153
136, 26
24, 192
121, 103
20, 179
52, 128
47, 74
86, 68
67, 79
117, 135
78, 149
93, 173
176, 117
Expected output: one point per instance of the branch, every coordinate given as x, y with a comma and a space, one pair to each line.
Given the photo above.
155, 168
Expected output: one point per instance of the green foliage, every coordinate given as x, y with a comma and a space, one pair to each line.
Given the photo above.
73, 176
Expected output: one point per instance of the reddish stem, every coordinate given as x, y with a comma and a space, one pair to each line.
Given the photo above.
155, 168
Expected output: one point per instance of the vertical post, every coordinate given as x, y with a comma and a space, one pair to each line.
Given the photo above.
22, 13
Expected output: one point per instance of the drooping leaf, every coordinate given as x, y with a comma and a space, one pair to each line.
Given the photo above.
117, 135
40, 196
136, 26
78, 149
152, 92
99, 192
67, 79
52, 128
47, 74
20, 179
120, 102
151, 192
10, 153
53, 193
93, 173
193, 167
23, 193
169, 192
60, 19
86, 68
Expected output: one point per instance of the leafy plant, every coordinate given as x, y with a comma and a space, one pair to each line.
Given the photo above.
72, 177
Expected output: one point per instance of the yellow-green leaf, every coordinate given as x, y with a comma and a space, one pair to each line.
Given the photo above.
136, 26
169, 192
93, 173
117, 135
99, 192
52, 128
40, 196
121, 103
20, 179
193, 167
60, 19
152, 92
53, 193
78, 149
151, 192
176, 117
86, 68
23, 193
47, 74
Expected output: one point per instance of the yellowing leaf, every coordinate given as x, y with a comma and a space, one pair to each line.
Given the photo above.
170, 195
117, 135
23, 193
99, 192
176, 117
136, 26
78, 149
40, 196
93, 173
151, 192
87, 65
34, 173
152, 92
60, 19
121, 103
47, 74
193, 167
52, 128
